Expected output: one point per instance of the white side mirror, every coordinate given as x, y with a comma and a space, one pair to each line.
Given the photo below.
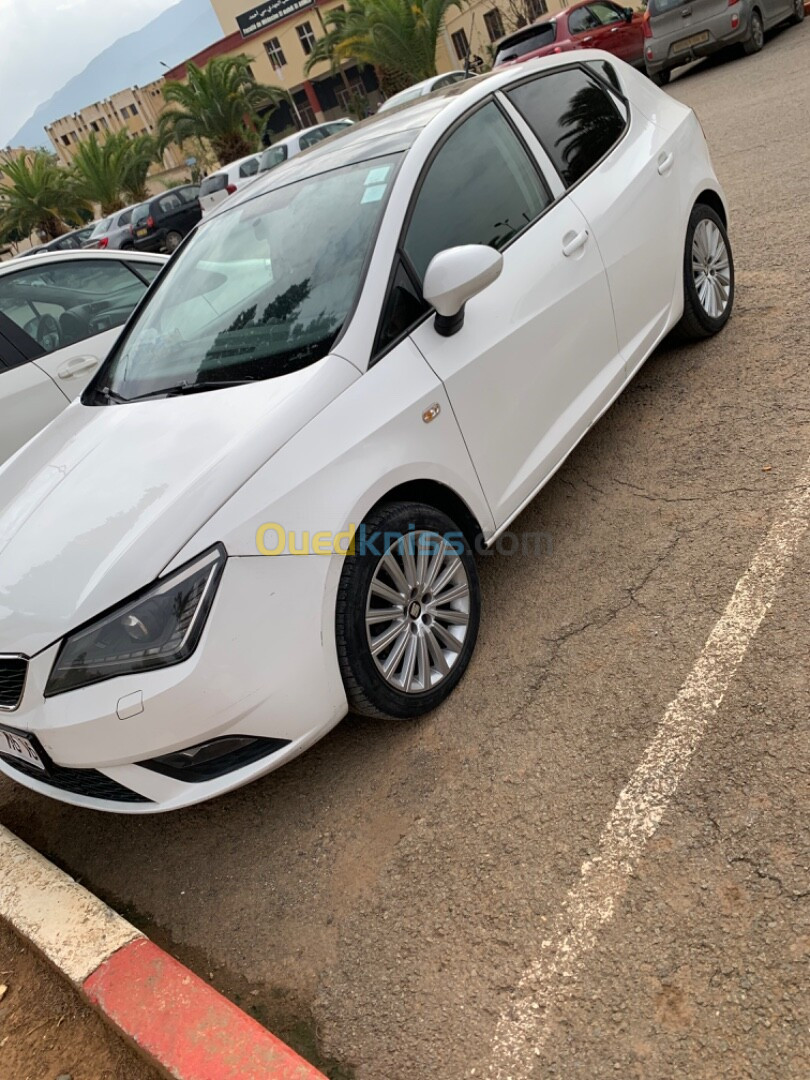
453, 277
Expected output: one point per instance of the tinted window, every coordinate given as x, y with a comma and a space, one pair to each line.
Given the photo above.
534, 37
254, 295
217, 182
169, 203
125, 218
189, 194
606, 71
574, 118
61, 304
481, 188
249, 168
140, 214
581, 20
403, 308
606, 14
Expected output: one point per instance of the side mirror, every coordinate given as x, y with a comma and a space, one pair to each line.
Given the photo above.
628, 14
453, 277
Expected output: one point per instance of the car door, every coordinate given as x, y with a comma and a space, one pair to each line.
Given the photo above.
621, 170
538, 346
584, 29
190, 211
68, 314
29, 399
620, 36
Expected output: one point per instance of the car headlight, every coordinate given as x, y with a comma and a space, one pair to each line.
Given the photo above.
160, 626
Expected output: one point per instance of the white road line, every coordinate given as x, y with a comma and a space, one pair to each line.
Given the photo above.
523, 1026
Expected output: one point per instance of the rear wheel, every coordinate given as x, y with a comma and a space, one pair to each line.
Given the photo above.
798, 12
756, 35
173, 240
407, 612
708, 276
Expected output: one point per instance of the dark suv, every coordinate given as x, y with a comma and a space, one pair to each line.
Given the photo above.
161, 223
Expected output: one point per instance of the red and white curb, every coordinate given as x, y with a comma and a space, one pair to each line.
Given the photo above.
174, 1019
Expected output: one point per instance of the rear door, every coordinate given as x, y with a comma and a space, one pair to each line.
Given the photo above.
622, 172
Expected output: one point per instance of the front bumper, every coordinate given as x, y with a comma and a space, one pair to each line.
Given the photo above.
266, 666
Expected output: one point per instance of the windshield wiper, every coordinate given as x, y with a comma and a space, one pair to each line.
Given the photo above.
109, 395
187, 388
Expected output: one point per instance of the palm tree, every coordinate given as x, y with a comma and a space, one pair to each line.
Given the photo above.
219, 103
113, 173
397, 37
40, 195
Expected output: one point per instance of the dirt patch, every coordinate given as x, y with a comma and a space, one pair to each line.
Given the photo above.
47, 1031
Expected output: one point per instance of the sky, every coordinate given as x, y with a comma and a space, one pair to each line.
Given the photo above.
43, 43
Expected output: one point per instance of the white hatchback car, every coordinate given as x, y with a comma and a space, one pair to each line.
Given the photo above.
263, 510
215, 188
60, 313
284, 149
421, 89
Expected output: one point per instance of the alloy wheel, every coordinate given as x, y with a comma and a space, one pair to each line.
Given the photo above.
710, 268
417, 611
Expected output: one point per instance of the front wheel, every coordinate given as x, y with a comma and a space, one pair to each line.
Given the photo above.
798, 12
407, 612
173, 241
756, 35
708, 276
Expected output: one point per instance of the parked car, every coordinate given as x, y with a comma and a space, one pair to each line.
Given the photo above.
679, 31
59, 315
264, 513
161, 223
220, 185
302, 140
113, 233
590, 25
426, 86
69, 241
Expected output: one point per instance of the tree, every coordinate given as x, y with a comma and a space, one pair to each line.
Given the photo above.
397, 37
113, 173
40, 195
220, 104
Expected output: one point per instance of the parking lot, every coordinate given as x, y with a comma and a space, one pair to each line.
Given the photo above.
379, 902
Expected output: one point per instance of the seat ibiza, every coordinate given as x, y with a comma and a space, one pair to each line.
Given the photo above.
262, 512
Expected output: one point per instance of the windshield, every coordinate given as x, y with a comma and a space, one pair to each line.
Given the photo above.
258, 292
534, 37
272, 157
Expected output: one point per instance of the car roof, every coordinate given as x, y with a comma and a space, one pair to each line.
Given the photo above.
82, 254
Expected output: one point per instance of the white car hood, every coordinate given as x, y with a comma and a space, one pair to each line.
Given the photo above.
98, 503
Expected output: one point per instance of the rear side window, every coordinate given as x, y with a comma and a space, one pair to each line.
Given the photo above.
169, 203
272, 157
535, 37
312, 137
249, 168
581, 20
501, 194
67, 302
605, 70
125, 218
575, 119
217, 182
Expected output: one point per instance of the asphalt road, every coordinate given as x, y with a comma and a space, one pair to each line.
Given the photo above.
378, 901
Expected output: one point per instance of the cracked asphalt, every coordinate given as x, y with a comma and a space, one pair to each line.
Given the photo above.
376, 901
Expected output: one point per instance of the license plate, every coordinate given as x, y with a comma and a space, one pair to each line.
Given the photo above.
690, 42
16, 745
141, 232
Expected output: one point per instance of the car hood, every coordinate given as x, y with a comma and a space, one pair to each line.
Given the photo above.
100, 501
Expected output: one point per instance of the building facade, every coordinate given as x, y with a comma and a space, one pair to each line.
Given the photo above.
481, 23
135, 110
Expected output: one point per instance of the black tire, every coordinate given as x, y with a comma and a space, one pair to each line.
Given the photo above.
173, 241
661, 78
367, 689
756, 35
696, 322
798, 12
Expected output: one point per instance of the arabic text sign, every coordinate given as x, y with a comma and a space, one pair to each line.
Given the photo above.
266, 14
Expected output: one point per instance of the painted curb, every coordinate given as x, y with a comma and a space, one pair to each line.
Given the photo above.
174, 1019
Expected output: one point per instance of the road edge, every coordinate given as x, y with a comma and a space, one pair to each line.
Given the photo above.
174, 1019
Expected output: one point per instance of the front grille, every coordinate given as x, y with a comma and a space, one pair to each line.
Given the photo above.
12, 680
89, 782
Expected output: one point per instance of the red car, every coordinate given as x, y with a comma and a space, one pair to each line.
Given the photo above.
589, 25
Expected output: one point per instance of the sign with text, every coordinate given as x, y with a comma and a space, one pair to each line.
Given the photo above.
265, 15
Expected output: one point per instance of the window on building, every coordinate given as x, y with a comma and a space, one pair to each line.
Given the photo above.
66, 140
494, 24
461, 44
503, 192
535, 8
306, 35
94, 125
133, 110
124, 112
275, 53
573, 116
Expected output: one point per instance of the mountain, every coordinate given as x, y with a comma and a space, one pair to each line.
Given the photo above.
133, 60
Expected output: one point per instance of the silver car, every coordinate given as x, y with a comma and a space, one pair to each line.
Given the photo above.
678, 31
113, 233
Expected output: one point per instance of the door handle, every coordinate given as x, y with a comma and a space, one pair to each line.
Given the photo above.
685, 13
665, 163
575, 243
77, 365
615, 29
588, 38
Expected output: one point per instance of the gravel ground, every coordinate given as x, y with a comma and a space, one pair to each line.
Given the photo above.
376, 901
